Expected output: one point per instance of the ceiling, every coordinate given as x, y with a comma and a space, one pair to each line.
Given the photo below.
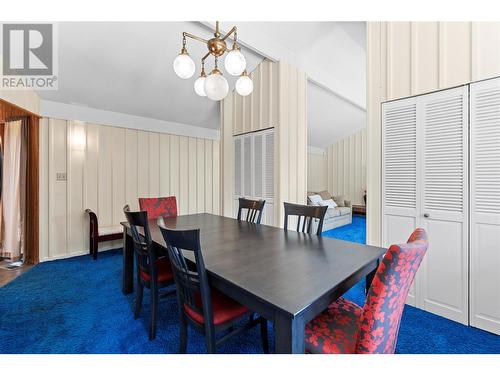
126, 67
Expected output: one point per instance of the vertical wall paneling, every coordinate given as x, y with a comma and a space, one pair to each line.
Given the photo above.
425, 57
485, 36
107, 167
346, 167
278, 101
454, 53
317, 176
399, 59
407, 60
164, 165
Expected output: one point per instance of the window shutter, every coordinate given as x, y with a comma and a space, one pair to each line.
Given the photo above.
269, 166
247, 167
400, 154
444, 152
237, 166
258, 170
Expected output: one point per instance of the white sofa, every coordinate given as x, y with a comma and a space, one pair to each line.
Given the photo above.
335, 216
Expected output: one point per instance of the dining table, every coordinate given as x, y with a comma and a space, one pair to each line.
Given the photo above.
285, 276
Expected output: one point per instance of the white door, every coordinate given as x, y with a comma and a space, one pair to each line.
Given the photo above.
399, 174
485, 205
443, 279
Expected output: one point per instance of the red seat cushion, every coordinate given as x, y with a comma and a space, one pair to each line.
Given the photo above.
335, 330
224, 309
163, 269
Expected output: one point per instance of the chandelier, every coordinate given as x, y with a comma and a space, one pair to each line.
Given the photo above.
215, 86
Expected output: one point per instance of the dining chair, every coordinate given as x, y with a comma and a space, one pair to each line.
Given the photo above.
159, 206
207, 310
345, 327
153, 272
254, 209
306, 215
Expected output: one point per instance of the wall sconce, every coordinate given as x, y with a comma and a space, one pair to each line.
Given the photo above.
79, 138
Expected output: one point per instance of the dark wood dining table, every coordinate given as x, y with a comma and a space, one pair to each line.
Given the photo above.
285, 276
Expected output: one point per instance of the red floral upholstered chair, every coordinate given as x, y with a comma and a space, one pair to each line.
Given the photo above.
159, 207
347, 328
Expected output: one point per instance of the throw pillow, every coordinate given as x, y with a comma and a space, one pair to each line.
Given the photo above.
325, 195
340, 200
315, 200
330, 203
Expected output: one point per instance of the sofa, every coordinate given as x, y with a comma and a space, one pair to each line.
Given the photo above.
335, 216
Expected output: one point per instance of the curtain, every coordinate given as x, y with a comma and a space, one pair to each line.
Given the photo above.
14, 189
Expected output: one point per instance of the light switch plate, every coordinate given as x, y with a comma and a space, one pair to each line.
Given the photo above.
61, 176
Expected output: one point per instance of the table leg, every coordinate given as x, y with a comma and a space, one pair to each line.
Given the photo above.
369, 278
289, 335
128, 264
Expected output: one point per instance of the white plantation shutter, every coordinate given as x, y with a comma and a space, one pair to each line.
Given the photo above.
247, 166
258, 167
443, 120
237, 166
485, 205
254, 169
269, 166
400, 154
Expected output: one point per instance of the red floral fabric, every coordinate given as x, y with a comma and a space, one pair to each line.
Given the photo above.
376, 329
334, 330
159, 207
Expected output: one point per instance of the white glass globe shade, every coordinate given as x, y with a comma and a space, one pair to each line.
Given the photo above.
184, 66
235, 63
199, 86
244, 85
216, 86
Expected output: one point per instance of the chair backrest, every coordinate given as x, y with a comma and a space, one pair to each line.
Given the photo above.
159, 206
193, 289
254, 209
307, 214
144, 254
387, 295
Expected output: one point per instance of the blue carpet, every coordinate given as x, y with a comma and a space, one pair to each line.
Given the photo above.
76, 306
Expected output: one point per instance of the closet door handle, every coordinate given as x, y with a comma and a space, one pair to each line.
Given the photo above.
427, 215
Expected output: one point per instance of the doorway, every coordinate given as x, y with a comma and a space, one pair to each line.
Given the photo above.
19, 171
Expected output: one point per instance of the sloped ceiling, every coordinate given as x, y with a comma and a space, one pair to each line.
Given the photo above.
126, 67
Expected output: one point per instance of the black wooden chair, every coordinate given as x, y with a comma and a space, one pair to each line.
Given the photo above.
207, 310
101, 234
153, 272
254, 209
308, 214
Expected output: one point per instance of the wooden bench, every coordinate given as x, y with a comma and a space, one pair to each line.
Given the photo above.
102, 234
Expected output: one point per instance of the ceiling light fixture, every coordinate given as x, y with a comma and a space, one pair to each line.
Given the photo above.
215, 86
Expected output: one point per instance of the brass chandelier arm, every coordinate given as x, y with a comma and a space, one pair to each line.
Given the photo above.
233, 30
184, 34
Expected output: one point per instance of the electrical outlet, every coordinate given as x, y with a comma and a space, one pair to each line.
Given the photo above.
61, 176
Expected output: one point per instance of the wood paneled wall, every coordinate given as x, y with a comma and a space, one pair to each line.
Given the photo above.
278, 100
411, 58
317, 174
346, 166
108, 167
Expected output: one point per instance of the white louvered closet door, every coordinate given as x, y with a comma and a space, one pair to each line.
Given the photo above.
485, 205
399, 178
443, 278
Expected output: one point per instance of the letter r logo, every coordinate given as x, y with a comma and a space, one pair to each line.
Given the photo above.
27, 49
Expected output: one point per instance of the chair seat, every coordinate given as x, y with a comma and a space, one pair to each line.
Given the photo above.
224, 309
335, 329
104, 231
163, 269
